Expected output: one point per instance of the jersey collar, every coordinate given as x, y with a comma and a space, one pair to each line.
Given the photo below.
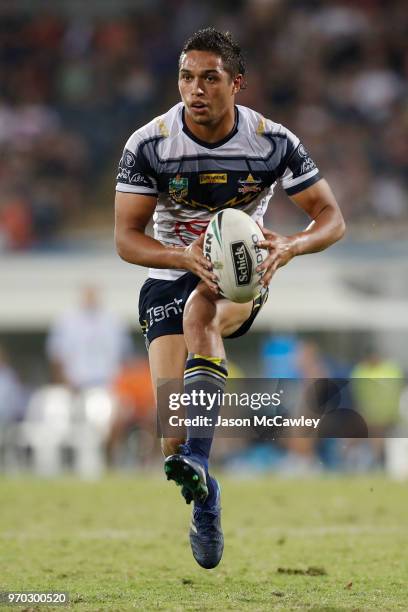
211, 145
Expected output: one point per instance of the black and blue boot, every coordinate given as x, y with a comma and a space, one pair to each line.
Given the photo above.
206, 537
190, 475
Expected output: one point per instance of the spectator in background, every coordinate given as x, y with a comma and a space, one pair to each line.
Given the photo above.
133, 391
376, 391
87, 345
12, 394
280, 356
341, 85
377, 403
16, 224
311, 364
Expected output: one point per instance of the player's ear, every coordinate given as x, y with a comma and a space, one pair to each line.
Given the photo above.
237, 83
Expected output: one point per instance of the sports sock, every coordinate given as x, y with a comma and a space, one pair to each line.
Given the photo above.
207, 377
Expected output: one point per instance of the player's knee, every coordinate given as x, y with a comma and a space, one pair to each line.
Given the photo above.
199, 313
197, 322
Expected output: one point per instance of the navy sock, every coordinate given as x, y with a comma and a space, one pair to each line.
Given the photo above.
204, 381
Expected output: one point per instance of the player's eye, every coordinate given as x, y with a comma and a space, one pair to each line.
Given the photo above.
186, 77
211, 78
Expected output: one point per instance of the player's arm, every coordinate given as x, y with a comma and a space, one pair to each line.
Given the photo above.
327, 227
327, 223
132, 215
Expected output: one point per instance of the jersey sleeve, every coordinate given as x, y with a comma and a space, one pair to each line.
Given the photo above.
297, 169
135, 174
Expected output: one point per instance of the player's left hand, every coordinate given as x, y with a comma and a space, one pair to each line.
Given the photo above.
281, 251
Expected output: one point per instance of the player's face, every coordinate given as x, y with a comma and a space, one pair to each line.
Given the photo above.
206, 88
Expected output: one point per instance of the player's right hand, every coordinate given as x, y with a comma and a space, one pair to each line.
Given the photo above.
195, 262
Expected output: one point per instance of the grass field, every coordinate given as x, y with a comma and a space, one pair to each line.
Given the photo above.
121, 544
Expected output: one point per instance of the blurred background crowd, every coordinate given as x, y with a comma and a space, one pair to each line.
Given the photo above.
73, 86
75, 82
96, 408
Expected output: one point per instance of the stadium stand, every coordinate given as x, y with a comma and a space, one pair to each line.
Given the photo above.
72, 86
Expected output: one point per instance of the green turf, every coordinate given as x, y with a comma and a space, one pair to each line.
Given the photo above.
121, 544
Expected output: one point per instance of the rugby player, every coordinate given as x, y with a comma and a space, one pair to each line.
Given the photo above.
205, 154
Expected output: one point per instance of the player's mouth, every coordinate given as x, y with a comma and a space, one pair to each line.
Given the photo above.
199, 107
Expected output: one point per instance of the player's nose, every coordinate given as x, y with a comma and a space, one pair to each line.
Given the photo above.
197, 87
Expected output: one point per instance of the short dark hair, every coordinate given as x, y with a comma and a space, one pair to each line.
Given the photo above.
220, 43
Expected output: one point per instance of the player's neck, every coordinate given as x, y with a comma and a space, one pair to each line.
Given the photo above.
212, 133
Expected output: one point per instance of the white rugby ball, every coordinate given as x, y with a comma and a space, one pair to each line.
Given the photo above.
231, 244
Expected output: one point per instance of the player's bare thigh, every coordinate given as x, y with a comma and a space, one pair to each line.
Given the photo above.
168, 354
167, 358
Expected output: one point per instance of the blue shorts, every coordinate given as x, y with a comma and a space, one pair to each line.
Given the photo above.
161, 307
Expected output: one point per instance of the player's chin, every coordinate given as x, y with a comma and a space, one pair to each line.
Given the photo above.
201, 120
203, 117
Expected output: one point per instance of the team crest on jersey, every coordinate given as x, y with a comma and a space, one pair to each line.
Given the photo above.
178, 188
250, 185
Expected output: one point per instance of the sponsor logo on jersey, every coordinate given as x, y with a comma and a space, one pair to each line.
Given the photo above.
212, 178
302, 151
250, 185
178, 188
242, 261
308, 164
128, 174
128, 159
159, 313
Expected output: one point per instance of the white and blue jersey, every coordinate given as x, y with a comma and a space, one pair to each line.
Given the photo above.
193, 179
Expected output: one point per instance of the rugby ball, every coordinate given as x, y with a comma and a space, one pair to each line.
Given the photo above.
231, 244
